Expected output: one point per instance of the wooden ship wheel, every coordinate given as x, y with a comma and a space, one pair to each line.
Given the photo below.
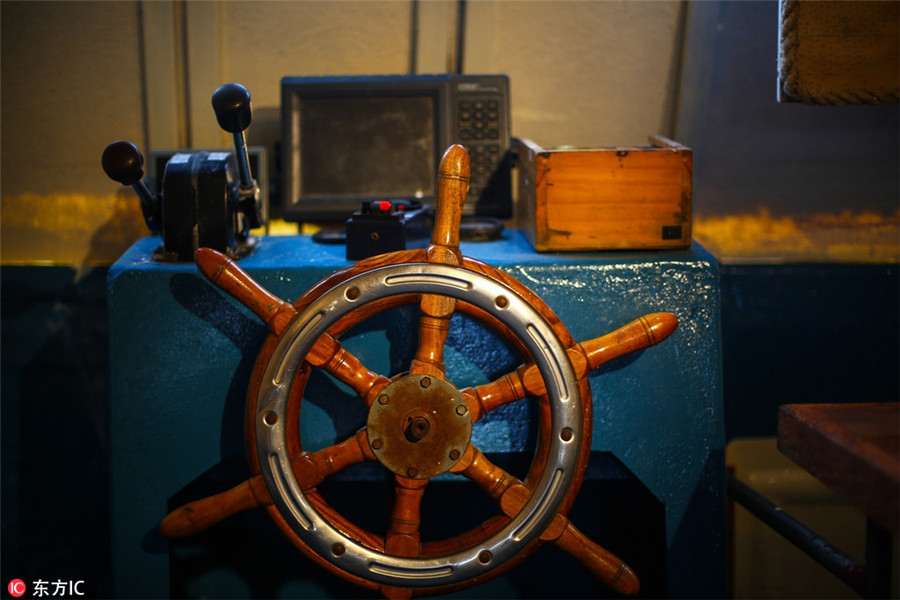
419, 424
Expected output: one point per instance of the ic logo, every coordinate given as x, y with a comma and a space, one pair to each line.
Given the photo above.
16, 588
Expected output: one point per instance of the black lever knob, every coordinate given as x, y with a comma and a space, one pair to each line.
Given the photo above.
232, 105
123, 162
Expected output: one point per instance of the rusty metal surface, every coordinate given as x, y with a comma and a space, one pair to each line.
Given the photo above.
419, 426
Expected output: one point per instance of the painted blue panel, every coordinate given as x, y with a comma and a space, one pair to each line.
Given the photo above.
182, 351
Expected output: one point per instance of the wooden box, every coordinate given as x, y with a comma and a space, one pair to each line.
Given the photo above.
623, 198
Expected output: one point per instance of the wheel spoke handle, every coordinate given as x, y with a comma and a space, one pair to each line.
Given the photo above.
511, 495
310, 468
436, 311
230, 278
453, 185
328, 353
204, 513
606, 566
641, 333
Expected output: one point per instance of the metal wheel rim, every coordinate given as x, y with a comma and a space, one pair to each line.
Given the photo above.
506, 305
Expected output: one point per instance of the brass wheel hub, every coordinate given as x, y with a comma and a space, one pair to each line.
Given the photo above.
419, 426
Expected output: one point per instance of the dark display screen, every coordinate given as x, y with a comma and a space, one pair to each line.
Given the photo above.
374, 146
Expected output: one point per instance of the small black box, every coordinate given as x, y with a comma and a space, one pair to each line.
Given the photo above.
385, 226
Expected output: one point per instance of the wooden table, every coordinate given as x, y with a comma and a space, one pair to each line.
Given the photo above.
854, 449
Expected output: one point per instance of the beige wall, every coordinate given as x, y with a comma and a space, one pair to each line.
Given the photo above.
71, 79
581, 73
78, 75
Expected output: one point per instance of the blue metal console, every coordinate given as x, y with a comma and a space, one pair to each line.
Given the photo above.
182, 352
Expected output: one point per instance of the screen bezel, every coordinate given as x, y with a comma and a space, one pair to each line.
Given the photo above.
337, 208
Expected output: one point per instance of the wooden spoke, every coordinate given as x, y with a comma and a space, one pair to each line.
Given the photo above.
310, 468
327, 353
403, 534
503, 390
330, 355
606, 566
641, 333
511, 495
436, 311
453, 185
230, 278
199, 515
434, 325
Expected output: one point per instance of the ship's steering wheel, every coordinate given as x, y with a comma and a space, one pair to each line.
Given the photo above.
419, 424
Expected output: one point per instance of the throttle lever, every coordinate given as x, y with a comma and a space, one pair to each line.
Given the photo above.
201, 203
124, 163
231, 103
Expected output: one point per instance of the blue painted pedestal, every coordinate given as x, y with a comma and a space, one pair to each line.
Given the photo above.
182, 352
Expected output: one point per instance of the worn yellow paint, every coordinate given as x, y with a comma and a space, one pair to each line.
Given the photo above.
761, 237
70, 229
81, 229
